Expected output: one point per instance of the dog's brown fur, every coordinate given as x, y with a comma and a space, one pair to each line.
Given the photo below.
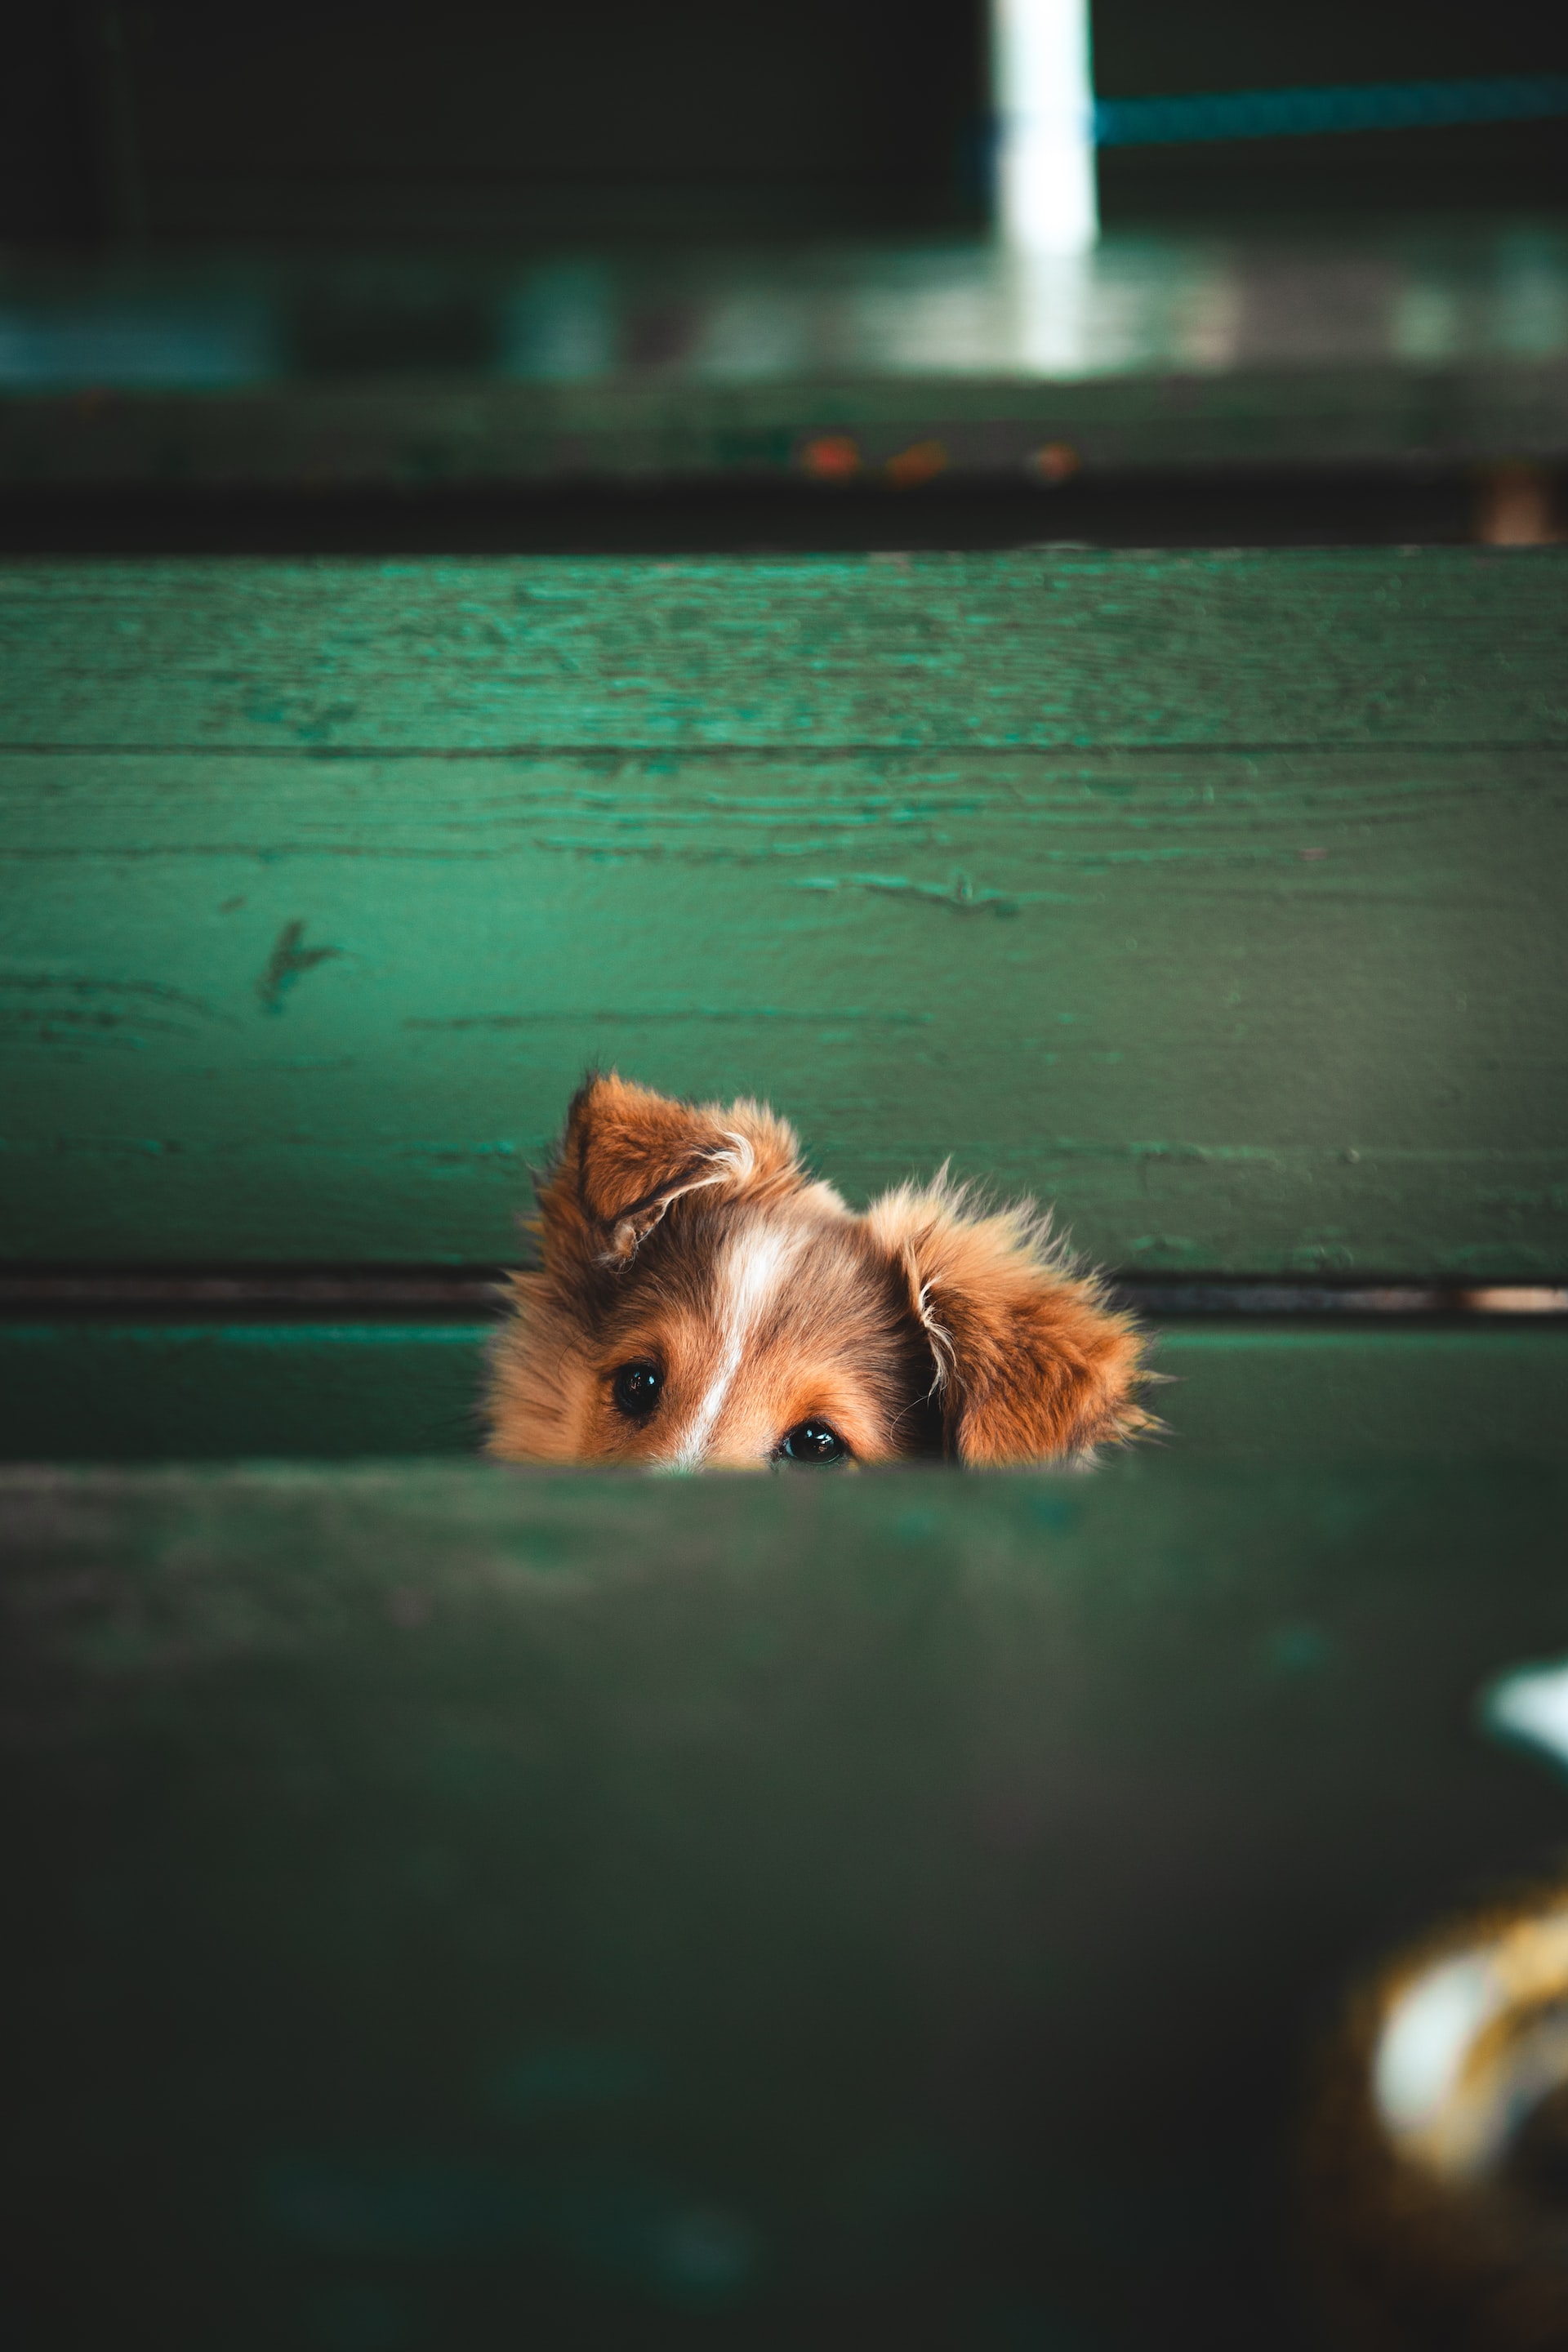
687, 1237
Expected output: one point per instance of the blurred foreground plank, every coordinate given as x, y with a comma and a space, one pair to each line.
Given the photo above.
491, 1907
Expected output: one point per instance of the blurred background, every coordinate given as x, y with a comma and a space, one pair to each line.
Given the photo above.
941, 273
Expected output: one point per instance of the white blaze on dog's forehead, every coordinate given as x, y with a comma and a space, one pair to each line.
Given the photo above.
745, 1279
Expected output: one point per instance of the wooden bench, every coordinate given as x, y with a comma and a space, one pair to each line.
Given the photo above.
458, 1906
1215, 898
1358, 350
451, 1904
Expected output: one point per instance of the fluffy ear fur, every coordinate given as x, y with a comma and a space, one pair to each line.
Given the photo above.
1030, 1360
628, 1153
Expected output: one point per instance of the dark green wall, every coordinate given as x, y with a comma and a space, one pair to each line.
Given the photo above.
367, 120
404, 122
1154, 48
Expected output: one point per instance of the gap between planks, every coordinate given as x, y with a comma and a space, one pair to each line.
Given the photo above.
464, 1294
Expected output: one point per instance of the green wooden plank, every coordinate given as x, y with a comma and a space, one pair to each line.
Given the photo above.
1346, 344
453, 1906
1214, 897
1302, 1393
91, 1390
1212, 1048
395, 436
1040, 648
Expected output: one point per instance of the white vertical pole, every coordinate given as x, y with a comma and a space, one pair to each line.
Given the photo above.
1044, 95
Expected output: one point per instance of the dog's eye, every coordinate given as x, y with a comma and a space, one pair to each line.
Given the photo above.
813, 1441
637, 1388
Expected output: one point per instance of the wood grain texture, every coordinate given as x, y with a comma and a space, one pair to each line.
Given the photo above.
815, 1911
1216, 897
1040, 648
102, 1390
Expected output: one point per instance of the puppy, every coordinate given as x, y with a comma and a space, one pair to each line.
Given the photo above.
703, 1303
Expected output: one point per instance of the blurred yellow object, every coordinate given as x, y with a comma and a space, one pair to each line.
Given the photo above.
1438, 2152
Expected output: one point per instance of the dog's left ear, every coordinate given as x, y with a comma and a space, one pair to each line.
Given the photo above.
628, 1154
1030, 1362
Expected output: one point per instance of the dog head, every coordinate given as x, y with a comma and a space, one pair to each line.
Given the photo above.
703, 1302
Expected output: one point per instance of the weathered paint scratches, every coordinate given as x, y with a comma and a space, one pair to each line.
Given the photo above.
286, 965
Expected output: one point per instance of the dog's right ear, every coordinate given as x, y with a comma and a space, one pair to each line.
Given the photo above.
628, 1154
1031, 1362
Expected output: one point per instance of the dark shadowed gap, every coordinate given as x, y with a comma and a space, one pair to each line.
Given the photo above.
1236, 507
462, 1294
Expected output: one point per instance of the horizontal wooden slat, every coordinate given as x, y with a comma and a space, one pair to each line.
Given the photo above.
113, 1391
91, 1390
403, 436
897, 1910
1125, 982
1214, 898
1360, 344
1298, 646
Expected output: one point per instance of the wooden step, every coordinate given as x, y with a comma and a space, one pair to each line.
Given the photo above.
1356, 343
1212, 897
487, 1908
1299, 1391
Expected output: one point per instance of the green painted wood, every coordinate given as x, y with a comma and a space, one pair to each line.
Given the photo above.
92, 1389
1042, 648
1315, 1392
1351, 343
454, 1906
393, 435
1214, 897
103, 1390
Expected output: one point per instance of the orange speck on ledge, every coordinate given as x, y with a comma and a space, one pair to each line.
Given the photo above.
1053, 462
922, 461
831, 458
